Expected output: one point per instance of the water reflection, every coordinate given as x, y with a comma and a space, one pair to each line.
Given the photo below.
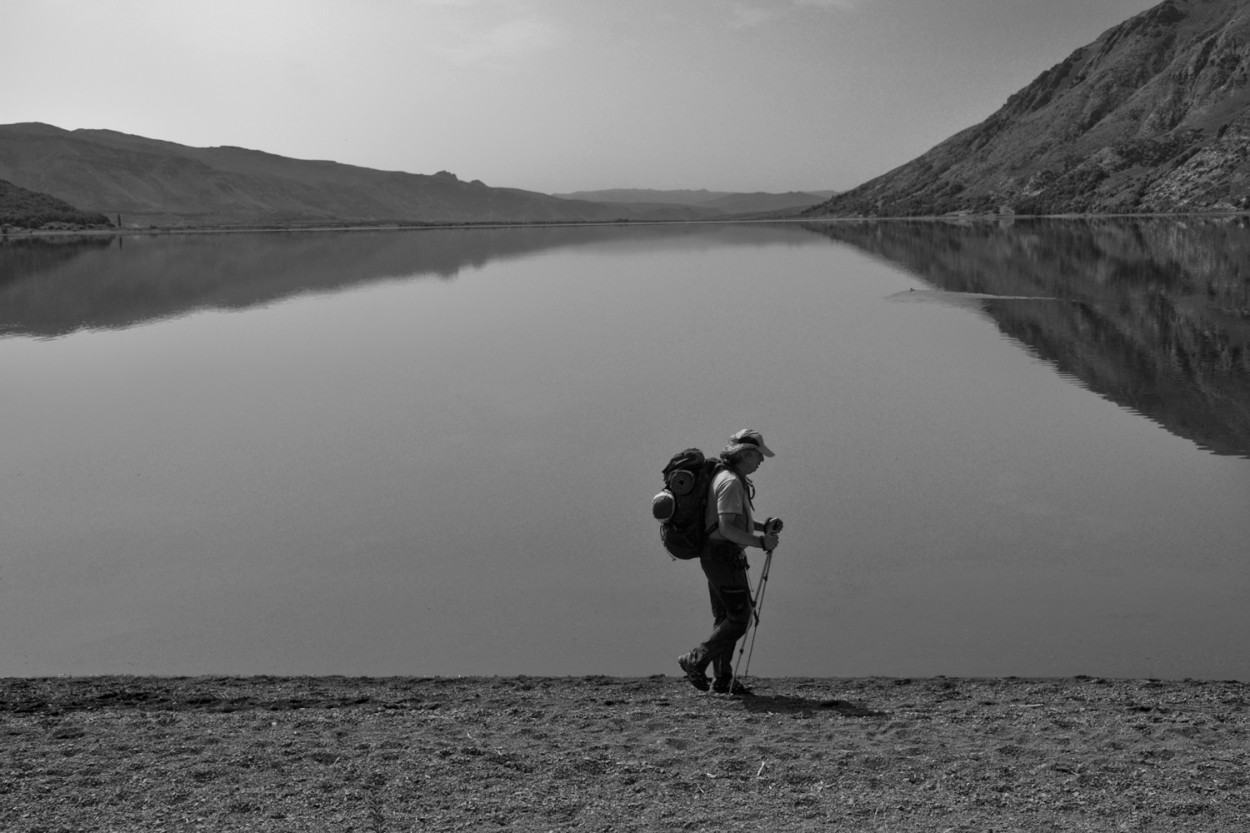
418, 475
1153, 314
52, 287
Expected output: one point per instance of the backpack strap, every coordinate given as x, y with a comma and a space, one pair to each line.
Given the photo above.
717, 467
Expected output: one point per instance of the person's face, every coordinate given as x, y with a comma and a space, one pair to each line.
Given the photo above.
751, 461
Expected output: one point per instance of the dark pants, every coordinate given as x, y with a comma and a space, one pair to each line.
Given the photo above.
724, 564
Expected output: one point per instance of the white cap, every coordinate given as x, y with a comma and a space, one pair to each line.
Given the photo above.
749, 438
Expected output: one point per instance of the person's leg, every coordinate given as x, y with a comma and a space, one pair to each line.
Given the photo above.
719, 613
730, 593
736, 598
694, 663
718, 659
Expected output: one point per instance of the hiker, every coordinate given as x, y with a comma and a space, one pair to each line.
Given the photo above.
724, 561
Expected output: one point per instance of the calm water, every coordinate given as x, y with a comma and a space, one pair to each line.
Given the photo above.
1002, 450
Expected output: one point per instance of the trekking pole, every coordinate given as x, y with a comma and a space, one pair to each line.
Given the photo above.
756, 604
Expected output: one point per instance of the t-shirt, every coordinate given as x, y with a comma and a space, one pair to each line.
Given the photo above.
727, 496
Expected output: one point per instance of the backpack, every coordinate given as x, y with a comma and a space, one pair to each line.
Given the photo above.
681, 508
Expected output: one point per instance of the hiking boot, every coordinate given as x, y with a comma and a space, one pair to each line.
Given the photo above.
693, 675
732, 688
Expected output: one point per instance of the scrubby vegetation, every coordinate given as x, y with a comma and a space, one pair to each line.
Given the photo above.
21, 208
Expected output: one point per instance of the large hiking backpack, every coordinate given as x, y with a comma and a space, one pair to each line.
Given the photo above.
681, 508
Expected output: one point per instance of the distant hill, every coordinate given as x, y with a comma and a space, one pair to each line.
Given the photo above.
646, 195
716, 202
26, 209
1154, 116
153, 182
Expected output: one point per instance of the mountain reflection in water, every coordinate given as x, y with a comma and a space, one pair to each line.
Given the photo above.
1152, 314
54, 286
289, 470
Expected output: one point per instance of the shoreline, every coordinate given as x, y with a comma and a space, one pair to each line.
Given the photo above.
958, 218
174, 681
605, 753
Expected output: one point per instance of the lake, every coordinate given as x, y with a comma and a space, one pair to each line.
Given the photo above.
1017, 448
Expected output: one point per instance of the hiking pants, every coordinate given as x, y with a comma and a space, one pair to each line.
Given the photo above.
724, 564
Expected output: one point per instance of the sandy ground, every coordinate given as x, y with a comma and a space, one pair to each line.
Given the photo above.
612, 754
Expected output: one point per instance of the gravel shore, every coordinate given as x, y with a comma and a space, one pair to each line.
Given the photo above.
614, 754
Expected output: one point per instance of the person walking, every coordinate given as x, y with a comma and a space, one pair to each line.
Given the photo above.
730, 517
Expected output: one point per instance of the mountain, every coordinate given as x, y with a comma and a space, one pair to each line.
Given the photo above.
1154, 116
153, 182
727, 203
27, 209
647, 195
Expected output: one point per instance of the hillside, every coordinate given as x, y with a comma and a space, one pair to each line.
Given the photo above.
152, 182
26, 209
726, 203
1154, 116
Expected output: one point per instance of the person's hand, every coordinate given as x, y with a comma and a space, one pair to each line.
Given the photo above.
773, 525
770, 541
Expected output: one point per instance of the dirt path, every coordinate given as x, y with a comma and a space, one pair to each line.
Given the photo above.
610, 754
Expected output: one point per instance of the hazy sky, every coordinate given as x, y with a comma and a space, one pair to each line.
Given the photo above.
547, 95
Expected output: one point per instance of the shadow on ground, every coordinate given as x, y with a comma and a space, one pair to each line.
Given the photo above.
780, 704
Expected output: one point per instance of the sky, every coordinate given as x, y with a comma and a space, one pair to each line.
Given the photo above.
547, 95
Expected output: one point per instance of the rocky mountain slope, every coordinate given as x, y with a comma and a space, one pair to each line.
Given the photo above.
152, 182
1154, 116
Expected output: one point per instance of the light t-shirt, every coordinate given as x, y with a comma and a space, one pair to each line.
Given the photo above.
727, 496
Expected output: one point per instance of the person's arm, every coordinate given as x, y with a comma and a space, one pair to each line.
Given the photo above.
732, 527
